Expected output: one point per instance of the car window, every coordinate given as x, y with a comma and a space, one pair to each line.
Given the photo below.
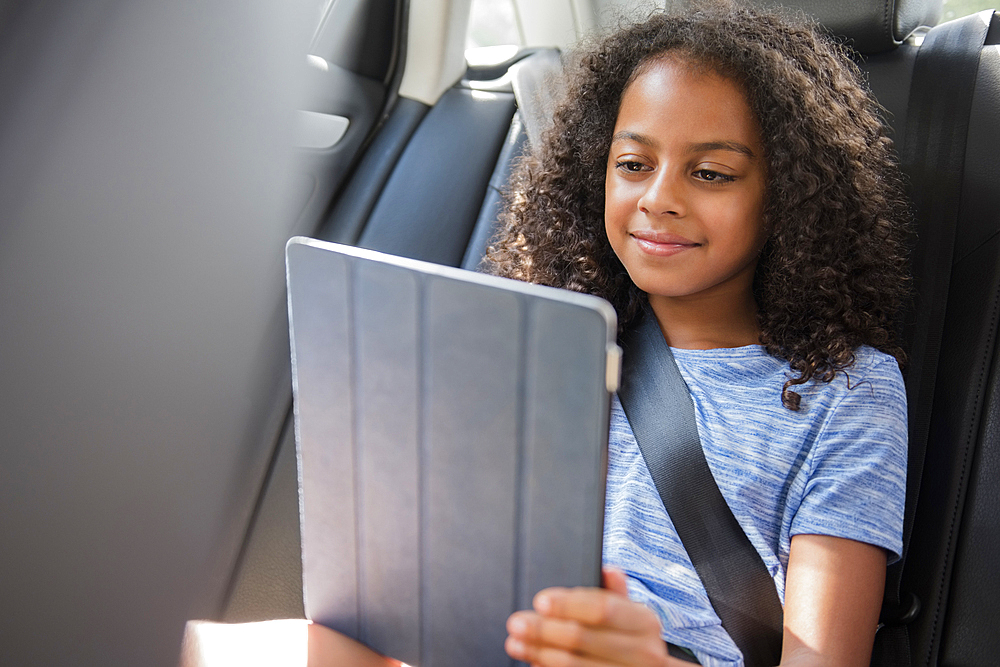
493, 23
953, 9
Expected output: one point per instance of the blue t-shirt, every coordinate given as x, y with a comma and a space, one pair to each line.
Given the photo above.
835, 467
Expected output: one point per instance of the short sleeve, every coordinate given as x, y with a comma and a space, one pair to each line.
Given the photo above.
856, 485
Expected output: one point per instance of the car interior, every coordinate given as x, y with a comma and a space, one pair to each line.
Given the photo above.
148, 474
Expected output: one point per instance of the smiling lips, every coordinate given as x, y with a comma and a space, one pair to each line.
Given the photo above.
661, 244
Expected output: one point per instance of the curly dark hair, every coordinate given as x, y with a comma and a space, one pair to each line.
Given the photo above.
833, 273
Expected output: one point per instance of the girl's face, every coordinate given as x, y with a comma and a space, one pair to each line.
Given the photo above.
684, 192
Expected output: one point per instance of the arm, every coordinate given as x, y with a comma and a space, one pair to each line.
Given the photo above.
833, 593
834, 586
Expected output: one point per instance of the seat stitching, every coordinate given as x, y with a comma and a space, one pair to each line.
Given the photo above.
887, 12
979, 245
949, 554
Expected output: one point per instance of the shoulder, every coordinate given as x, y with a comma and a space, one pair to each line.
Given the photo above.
865, 402
872, 383
875, 366
869, 365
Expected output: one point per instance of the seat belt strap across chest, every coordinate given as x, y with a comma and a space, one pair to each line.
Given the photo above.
661, 413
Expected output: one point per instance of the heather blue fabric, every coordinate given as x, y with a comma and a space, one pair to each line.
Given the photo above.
836, 467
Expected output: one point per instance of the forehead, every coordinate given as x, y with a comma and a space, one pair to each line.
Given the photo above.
673, 95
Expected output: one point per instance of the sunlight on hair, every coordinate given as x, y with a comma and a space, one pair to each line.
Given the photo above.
281, 643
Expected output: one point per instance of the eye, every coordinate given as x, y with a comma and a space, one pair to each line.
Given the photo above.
710, 176
631, 166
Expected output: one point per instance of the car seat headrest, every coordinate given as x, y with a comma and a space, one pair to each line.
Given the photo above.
871, 26
536, 82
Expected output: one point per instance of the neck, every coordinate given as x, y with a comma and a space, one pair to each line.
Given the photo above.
705, 322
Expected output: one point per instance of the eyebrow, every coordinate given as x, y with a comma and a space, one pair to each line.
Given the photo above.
733, 146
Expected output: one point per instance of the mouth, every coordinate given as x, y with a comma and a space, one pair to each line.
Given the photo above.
662, 244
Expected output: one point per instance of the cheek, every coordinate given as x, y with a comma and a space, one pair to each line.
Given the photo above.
744, 221
615, 224
759, 205
608, 193
617, 202
759, 229
610, 208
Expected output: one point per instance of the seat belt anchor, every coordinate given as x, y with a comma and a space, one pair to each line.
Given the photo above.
893, 616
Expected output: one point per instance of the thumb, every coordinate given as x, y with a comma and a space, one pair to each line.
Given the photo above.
614, 580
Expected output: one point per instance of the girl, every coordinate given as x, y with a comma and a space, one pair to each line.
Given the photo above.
728, 167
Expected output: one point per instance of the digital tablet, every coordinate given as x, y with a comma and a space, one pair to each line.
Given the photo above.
451, 431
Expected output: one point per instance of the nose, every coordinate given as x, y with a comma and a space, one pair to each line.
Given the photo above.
664, 195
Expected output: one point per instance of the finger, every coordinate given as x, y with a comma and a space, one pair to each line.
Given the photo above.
613, 646
547, 656
597, 607
614, 580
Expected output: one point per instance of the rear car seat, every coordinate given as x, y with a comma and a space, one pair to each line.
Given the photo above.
426, 208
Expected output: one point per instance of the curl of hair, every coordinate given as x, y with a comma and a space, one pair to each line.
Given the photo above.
832, 274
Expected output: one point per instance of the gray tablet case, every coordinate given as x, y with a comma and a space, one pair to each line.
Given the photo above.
452, 434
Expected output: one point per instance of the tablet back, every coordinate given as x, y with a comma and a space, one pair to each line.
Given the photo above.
452, 433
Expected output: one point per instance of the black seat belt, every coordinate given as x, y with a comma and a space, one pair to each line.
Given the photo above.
933, 157
661, 413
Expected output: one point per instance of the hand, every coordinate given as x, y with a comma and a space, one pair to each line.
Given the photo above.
588, 627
